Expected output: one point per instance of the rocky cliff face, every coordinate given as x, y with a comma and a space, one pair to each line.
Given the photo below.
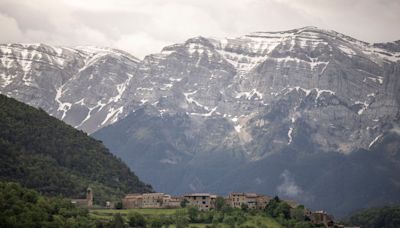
274, 109
82, 86
332, 82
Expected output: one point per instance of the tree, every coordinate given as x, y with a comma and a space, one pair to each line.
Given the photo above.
193, 213
227, 209
283, 209
240, 216
155, 222
206, 217
166, 221
218, 217
219, 203
298, 213
229, 220
181, 220
276, 208
117, 221
21, 207
388, 217
47, 155
184, 203
244, 207
136, 219
118, 205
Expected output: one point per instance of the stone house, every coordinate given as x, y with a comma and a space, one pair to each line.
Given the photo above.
151, 200
262, 201
252, 200
204, 201
132, 201
172, 201
321, 217
236, 199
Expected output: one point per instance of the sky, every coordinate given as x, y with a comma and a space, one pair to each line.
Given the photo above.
143, 27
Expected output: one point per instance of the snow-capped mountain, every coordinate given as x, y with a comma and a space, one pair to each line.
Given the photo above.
274, 109
82, 86
91, 87
236, 79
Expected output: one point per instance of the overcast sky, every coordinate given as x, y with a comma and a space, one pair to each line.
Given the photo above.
142, 27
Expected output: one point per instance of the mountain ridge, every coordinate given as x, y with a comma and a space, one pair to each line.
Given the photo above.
189, 117
108, 107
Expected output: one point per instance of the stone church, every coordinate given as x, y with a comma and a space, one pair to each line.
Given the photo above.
88, 202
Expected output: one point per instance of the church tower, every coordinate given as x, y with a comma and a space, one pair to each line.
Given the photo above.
89, 197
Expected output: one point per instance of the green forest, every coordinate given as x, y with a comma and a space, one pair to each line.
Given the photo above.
22, 207
43, 153
387, 217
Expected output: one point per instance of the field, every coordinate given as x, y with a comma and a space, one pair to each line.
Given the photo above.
107, 214
148, 212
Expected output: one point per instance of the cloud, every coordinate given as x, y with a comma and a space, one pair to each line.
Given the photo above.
135, 42
395, 129
11, 31
145, 26
372, 20
288, 186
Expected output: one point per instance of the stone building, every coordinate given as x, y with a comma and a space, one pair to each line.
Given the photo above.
237, 199
132, 201
172, 201
88, 202
151, 200
204, 201
321, 217
262, 201
252, 200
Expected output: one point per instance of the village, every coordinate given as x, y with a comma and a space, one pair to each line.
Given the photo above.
204, 202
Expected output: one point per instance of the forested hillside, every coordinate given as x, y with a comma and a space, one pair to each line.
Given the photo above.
22, 207
42, 152
388, 217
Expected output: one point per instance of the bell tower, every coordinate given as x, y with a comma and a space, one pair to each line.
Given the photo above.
89, 197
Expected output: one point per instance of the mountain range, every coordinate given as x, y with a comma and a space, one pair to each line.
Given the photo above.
308, 114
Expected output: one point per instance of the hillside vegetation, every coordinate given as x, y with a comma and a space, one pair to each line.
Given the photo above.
276, 214
43, 153
22, 207
388, 217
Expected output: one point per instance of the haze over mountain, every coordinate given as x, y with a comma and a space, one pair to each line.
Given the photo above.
309, 114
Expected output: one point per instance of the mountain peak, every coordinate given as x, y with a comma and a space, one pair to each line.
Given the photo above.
199, 40
310, 30
94, 50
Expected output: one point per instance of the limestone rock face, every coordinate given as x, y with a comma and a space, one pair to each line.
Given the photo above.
82, 86
266, 112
